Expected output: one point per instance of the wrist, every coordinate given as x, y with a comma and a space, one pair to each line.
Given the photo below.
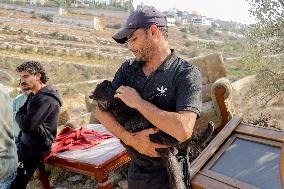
127, 138
139, 104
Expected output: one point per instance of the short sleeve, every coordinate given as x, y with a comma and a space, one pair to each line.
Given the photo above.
120, 76
188, 90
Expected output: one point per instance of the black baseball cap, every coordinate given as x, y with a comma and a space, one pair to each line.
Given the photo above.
141, 18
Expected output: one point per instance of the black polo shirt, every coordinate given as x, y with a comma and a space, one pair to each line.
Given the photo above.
174, 86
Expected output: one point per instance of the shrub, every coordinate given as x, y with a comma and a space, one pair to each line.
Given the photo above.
185, 30
64, 37
21, 30
114, 26
193, 30
47, 17
188, 43
7, 28
193, 53
90, 55
34, 16
27, 50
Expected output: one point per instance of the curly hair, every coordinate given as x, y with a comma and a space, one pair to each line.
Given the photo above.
33, 68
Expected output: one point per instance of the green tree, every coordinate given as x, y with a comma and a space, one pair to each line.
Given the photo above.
68, 3
214, 26
210, 31
129, 6
180, 13
266, 42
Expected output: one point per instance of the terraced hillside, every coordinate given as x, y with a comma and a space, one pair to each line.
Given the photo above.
76, 54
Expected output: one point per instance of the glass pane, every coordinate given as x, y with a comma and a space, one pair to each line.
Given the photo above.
251, 162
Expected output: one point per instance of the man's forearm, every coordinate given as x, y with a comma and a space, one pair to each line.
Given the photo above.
140, 141
173, 123
110, 123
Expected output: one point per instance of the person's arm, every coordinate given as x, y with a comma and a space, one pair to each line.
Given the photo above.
282, 165
177, 124
140, 141
34, 116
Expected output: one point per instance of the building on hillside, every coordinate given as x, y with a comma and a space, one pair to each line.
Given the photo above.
186, 18
33, 2
204, 21
185, 21
61, 11
171, 21
107, 2
87, 2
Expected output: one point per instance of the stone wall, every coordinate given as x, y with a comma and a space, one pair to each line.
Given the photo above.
54, 10
68, 20
99, 12
30, 9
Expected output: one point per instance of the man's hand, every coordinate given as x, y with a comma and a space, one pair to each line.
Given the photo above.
128, 95
141, 142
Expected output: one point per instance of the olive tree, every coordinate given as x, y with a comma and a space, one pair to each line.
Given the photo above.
266, 44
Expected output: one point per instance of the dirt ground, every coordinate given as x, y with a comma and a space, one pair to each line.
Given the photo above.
255, 110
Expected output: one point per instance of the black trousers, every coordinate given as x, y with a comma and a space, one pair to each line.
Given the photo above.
27, 164
140, 177
147, 177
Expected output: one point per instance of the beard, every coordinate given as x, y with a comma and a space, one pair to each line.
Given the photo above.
25, 86
144, 53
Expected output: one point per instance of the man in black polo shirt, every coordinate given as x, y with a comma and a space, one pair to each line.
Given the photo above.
175, 84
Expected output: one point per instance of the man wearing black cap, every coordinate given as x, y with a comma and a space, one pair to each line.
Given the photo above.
175, 84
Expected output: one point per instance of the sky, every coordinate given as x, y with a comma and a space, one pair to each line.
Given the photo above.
228, 10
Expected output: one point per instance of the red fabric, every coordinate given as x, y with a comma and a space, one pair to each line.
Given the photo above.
76, 139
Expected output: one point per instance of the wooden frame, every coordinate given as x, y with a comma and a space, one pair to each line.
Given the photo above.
219, 93
100, 172
261, 132
213, 146
207, 178
226, 179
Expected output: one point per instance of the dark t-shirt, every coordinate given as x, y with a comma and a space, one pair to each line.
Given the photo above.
174, 86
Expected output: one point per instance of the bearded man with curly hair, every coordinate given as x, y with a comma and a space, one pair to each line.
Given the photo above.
37, 120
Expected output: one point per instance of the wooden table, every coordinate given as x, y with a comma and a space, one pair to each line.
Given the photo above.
97, 161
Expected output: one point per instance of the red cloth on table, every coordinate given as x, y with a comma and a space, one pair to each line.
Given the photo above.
76, 139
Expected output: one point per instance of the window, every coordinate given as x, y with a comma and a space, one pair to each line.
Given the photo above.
246, 161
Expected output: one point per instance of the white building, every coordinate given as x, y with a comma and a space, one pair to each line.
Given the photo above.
204, 21
171, 21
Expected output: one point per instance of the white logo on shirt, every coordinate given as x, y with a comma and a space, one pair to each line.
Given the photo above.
162, 91
20, 165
